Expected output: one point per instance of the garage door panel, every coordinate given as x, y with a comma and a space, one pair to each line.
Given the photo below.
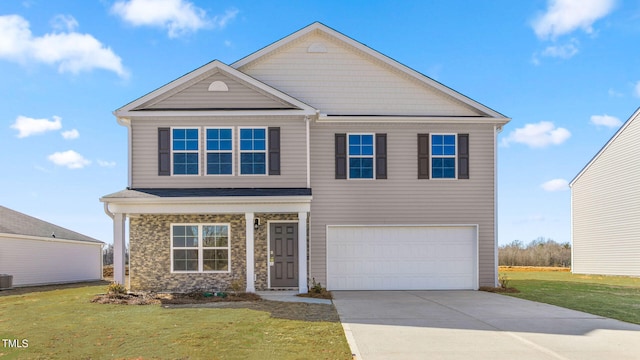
401, 258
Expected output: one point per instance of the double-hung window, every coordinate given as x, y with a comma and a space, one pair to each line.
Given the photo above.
361, 156
185, 151
200, 248
443, 156
253, 151
219, 145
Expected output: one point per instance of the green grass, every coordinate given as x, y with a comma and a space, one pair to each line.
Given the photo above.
64, 324
615, 297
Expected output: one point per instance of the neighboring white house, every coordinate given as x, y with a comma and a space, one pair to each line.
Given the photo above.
36, 252
605, 207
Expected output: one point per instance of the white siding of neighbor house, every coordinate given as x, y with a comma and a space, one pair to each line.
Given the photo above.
606, 208
197, 96
292, 153
345, 81
402, 198
36, 262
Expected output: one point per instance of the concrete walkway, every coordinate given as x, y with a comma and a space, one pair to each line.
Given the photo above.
476, 325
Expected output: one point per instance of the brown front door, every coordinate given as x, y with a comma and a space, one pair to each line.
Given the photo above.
283, 254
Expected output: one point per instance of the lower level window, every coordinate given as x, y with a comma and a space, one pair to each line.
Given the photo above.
200, 248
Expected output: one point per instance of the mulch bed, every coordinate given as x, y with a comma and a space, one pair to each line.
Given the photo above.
490, 289
277, 309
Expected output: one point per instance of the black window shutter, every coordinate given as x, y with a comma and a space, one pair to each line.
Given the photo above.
274, 151
423, 156
164, 151
381, 156
463, 156
341, 156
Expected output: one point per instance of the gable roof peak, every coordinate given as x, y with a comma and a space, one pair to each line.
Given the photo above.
350, 42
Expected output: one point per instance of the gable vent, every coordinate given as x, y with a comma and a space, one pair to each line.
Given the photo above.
317, 48
218, 86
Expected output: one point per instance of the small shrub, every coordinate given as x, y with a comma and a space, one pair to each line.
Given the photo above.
504, 281
316, 288
116, 289
236, 287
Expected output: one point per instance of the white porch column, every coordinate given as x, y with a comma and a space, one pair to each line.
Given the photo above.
302, 253
251, 287
119, 248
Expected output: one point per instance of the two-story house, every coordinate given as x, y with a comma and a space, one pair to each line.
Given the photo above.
315, 157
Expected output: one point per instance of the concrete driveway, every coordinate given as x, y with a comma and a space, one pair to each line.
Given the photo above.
476, 325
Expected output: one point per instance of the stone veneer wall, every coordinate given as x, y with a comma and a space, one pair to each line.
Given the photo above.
150, 253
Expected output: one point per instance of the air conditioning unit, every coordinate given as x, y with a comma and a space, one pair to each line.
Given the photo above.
6, 281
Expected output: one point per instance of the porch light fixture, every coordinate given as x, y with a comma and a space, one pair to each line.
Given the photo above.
256, 223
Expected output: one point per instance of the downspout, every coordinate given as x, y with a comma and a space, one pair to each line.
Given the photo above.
307, 120
496, 131
126, 122
107, 211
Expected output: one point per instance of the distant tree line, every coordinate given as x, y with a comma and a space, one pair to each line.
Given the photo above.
539, 252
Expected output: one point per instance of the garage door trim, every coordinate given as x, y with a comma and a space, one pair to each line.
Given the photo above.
475, 244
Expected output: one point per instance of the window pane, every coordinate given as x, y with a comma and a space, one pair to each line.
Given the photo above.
259, 134
225, 145
354, 139
449, 139
219, 163
252, 163
179, 241
185, 163
179, 254
367, 139
259, 145
178, 230
225, 134
367, 150
437, 139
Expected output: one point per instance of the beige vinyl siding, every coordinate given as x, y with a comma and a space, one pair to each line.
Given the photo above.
292, 152
402, 198
197, 96
345, 81
606, 209
34, 262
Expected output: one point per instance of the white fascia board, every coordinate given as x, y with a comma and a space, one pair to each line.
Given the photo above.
49, 239
375, 54
633, 117
186, 113
412, 119
210, 205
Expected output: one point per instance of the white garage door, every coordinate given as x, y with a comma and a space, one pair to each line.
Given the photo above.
402, 257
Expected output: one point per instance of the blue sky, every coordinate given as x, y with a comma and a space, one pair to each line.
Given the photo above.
565, 71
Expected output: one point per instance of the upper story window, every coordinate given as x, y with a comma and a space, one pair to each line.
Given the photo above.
185, 151
200, 248
253, 151
443, 156
219, 151
361, 156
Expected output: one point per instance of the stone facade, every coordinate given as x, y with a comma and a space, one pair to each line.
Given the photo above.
150, 253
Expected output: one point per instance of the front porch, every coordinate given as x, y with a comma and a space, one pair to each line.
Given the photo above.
249, 222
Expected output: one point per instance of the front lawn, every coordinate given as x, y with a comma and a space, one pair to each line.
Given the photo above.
616, 297
64, 324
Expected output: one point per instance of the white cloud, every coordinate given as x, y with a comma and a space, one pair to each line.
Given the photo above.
614, 93
70, 134
565, 16
555, 185
71, 51
636, 89
70, 159
64, 23
179, 17
605, 120
28, 126
538, 135
104, 163
561, 51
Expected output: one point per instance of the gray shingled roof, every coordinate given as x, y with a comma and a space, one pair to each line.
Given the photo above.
208, 192
14, 222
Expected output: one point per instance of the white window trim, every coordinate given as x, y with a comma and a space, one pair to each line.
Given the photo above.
233, 150
266, 150
361, 156
200, 248
455, 157
186, 151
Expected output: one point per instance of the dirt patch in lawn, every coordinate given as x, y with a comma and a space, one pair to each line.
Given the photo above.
532, 268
